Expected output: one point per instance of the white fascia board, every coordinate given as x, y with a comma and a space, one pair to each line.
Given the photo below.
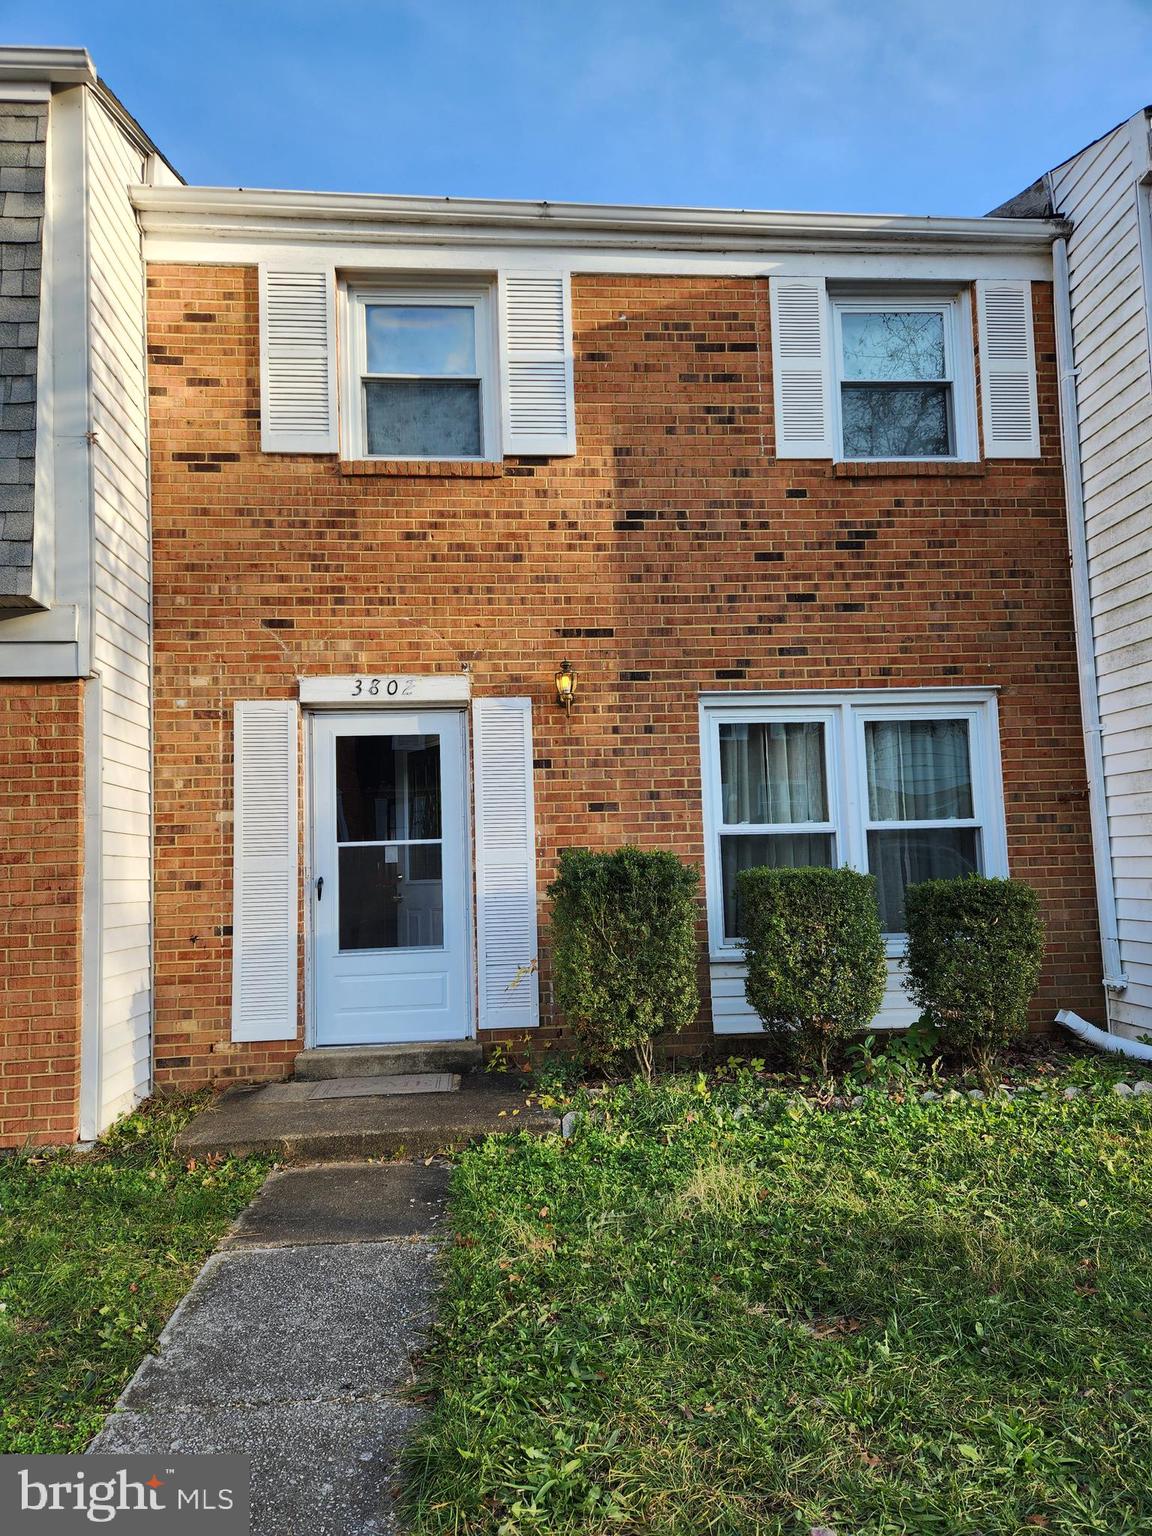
237, 213
54, 626
474, 254
45, 659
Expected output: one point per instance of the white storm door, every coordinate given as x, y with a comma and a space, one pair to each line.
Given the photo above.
389, 878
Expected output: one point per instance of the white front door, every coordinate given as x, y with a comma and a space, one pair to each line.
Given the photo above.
389, 878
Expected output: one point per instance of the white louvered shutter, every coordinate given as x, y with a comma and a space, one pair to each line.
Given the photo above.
801, 367
1007, 369
264, 871
505, 863
536, 362
298, 360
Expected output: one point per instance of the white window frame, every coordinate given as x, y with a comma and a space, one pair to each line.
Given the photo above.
959, 364
355, 298
844, 716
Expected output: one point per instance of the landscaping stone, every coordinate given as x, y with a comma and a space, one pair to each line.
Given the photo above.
930, 1096
1071, 1093
977, 1095
1122, 1090
1143, 1086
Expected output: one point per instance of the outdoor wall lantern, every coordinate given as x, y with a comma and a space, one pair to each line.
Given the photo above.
565, 685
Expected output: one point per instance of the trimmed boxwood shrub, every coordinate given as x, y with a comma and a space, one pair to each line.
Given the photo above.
975, 946
815, 954
624, 951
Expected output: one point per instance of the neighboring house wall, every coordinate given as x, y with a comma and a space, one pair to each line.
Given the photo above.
41, 898
672, 554
1109, 280
93, 557
121, 613
23, 136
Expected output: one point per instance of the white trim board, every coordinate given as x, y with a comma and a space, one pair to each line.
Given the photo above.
716, 698
467, 250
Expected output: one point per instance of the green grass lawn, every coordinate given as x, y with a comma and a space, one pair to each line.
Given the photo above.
721, 1310
95, 1251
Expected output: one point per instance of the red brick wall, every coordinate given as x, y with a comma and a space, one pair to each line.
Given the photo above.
41, 855
671, 554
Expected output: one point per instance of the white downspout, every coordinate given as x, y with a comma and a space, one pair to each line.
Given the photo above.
1114, 978
1100, 1040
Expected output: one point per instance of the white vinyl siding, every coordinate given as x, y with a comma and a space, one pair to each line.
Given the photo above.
506, 939
1097, 190
121, 620
732, 1014
265, 866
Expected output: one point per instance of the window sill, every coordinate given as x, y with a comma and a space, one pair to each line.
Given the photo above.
882, 469
456, 469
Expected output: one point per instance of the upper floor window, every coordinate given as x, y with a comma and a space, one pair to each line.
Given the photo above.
902, 378
424, 370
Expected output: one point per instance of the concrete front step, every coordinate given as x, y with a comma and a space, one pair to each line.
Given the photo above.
281, 1121
388, 1060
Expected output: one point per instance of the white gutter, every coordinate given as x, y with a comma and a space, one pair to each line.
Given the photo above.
164, 208
1114, 978
57, 66
1100, 1040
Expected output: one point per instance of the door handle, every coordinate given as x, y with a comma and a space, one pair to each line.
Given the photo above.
320, 889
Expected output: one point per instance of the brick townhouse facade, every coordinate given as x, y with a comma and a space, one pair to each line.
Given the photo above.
784, 492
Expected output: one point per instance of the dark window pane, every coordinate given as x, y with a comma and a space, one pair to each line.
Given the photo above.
432, 339
784, 850
389, 900
892, 344
773, 772
387, 787
901, 859
896, 421
423, 418
918, 770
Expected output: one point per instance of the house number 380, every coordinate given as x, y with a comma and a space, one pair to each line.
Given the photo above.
389, 687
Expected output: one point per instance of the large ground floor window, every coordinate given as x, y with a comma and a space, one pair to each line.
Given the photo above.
905, 784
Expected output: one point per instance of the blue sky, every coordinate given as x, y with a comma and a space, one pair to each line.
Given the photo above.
901, 106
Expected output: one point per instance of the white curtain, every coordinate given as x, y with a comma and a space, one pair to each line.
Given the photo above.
918, 770
772, 772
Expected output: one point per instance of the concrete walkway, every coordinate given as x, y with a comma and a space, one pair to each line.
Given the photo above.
293, 1344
